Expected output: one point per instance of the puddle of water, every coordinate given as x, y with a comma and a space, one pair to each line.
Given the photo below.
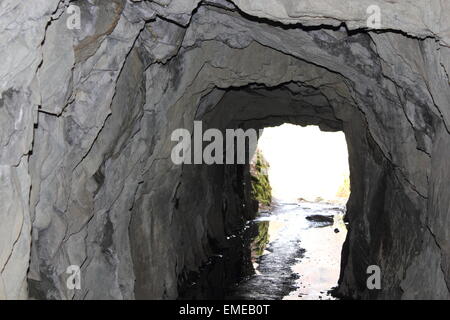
295, 258
319, 268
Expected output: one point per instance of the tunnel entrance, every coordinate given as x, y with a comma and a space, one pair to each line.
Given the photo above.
296, 238
229, 189
306, 163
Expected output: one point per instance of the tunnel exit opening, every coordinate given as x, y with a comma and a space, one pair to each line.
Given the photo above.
306, 163
300, 178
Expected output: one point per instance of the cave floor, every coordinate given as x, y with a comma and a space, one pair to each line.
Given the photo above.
296, 253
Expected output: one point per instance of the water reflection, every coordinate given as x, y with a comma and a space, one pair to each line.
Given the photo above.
295, 251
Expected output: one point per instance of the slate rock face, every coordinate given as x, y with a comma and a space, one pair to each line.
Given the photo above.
86, 117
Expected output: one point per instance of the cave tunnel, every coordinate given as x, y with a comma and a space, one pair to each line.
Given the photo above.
87, 179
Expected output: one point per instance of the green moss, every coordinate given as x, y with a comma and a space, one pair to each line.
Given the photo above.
261, 190
260, 242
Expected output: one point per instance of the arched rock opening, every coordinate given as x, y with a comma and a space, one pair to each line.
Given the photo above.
87, 178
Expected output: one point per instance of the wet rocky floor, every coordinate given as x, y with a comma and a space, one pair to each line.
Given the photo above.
296, 252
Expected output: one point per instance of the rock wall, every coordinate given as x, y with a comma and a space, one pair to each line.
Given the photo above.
87, 114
